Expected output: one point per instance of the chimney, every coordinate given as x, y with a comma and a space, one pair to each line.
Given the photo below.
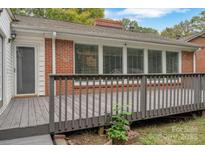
108, 23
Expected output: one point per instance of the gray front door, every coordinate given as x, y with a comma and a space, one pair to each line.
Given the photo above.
1, 71
25, 70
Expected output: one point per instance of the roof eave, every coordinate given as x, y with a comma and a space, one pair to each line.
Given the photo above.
43, 30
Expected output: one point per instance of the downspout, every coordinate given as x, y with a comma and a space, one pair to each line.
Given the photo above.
54, 53
54, 57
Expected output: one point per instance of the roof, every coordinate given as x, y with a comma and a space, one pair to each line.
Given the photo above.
37, 23
192, 36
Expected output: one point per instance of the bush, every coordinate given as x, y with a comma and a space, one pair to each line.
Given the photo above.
118, 130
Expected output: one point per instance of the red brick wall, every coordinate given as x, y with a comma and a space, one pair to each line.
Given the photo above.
108, 23
187, 62
200, 55
64, 61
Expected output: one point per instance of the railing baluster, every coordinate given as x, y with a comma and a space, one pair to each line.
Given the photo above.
87, 101
122, 94
159, 95
191, 83
66, 102
150, 97
99, 107
170, 98
181, 96
133, 97
105, 117
188, 93
185, 94
174, 98
138, 96
154, 96
117, 101
80, 102
93, 102
178, 96
128, 86
60, 99
163, 91
111, 98
167, 92
73, 103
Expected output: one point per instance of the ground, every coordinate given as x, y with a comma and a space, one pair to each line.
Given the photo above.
181, 132
171, 130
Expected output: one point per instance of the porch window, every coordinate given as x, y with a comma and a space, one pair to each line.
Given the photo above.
172, 62
112, 60
154, 61
135, 60
86, 59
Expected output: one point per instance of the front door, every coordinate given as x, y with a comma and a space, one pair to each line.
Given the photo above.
25, 70
1, 71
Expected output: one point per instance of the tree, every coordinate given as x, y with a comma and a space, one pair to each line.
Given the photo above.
132, 25
187, 27
78, 15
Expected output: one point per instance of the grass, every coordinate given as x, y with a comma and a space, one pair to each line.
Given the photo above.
187, 132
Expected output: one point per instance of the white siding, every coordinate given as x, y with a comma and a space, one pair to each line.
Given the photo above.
39, 44
5, 30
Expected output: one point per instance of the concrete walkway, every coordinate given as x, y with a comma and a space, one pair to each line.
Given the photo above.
33, 140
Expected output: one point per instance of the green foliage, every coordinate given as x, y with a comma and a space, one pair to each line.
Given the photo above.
78, 15
118, 129
187, 27
132, 25
119, 126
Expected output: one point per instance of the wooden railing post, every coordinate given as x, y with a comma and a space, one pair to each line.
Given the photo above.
51, 105
143, 95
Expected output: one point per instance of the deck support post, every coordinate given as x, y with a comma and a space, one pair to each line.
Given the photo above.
143, 95
101, 131
51, 105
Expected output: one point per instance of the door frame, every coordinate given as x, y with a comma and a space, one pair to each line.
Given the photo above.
2, 58
36, 68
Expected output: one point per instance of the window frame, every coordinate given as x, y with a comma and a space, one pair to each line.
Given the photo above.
175, 52
161, 61
75, 56
122, 62
136, 50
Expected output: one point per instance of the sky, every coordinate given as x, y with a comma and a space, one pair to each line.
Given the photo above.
155, 18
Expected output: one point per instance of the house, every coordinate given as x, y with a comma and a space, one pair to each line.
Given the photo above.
198, 38
32, 48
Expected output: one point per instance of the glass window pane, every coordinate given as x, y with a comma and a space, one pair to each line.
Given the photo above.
86, 59
172, 62
154, 61
135, 60
112, 60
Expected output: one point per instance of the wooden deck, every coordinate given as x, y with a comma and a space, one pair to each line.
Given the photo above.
30, 116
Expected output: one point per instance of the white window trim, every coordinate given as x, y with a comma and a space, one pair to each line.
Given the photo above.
164, 66
124, 60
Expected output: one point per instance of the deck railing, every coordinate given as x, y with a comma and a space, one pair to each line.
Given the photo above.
85, 101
